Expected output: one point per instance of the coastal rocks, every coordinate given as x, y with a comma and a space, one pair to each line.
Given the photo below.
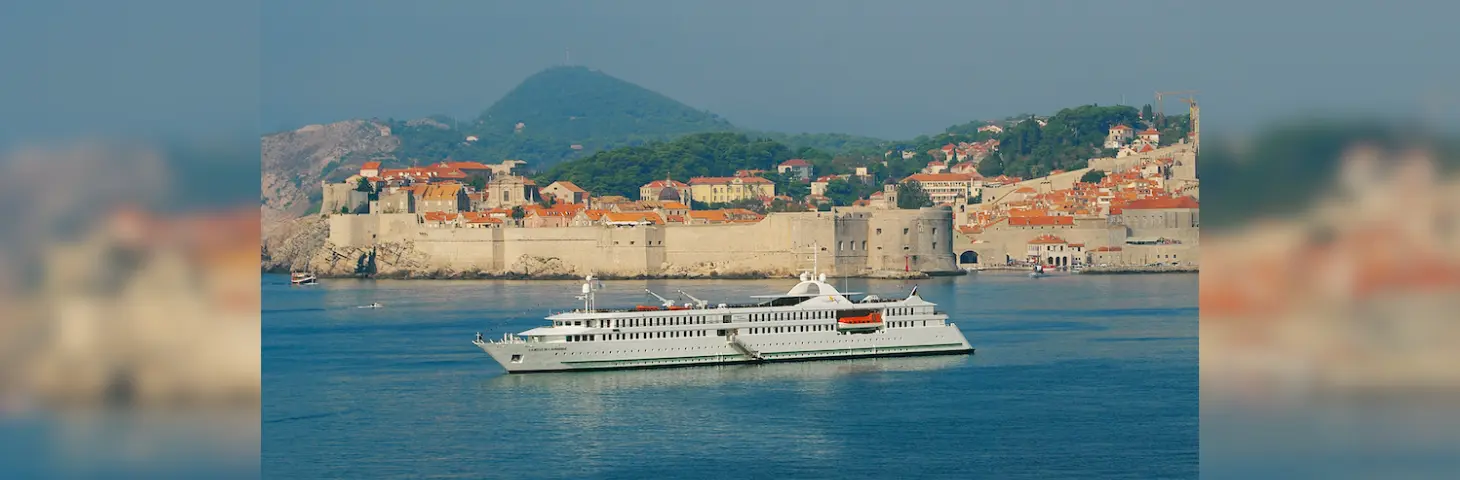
292, 244
537, 267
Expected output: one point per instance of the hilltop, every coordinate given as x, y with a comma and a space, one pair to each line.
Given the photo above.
557, 114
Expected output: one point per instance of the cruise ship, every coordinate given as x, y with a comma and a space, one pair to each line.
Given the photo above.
812, 321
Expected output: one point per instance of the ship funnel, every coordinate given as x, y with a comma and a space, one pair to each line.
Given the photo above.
587, 287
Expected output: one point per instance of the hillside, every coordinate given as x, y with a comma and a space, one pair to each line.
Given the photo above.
557, 108
294, 162
622, 171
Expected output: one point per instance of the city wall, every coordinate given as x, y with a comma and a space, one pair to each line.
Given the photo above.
853, 242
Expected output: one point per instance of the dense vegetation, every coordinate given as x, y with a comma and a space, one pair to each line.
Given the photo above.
1071, 137
622, 171
911, 195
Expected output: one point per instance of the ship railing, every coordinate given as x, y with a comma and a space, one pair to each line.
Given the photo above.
508, 338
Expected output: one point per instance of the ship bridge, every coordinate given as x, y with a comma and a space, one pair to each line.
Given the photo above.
810, 292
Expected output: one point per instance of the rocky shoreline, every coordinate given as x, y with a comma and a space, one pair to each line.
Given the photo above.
1140, 269
302, 245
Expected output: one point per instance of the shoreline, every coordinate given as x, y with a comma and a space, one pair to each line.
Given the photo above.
477, 275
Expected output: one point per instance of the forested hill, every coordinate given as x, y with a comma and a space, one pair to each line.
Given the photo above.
622, 171
586, 106
561, 107
564, 113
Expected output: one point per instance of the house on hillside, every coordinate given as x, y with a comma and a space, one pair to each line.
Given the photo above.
566, 192
730, 189
799, 168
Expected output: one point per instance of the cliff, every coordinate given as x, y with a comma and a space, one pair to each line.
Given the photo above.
294, 163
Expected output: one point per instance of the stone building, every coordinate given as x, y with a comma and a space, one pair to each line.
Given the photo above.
656, 190
337, 196
730, 189
444, 197
508, 191
566, 192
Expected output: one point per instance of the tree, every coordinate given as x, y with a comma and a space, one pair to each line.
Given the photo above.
992, 166
478, 182
518, 213
1146, 112
910, 195
363, 185
841, 192
344, 210
1092, 176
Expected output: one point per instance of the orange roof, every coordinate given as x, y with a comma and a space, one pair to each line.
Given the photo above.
570, 186
1025, 190
1146, 148
594, 215
370, 166
664, 183
795, 162
675, 205
467, 165
939, 177
650, 217
676, 218
1120, 128
1150, 131
442, 191
1158, 203
485, 219
438, 216
727, 180
1081, 245
708, 215
1047, 239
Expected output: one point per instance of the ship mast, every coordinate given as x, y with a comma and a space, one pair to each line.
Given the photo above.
589, 286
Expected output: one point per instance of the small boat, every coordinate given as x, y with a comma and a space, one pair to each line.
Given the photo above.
373, 305
1038, 272
303, 278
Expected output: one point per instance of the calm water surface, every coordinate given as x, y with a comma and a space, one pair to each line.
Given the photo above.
1074, 377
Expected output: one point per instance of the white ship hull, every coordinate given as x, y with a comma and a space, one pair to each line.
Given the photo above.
811, 322
523, 357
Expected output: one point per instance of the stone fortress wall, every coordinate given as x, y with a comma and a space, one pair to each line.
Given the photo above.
846, 242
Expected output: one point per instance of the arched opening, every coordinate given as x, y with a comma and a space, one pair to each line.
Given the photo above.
968, 257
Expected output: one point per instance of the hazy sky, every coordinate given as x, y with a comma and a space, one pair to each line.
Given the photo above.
884, 68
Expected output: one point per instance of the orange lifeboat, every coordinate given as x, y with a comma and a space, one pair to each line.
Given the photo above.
646, 308
859, 319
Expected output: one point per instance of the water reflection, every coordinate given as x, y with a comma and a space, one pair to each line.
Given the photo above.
610, 380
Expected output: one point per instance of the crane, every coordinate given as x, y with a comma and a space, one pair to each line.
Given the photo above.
698, 303
667, 302
1160, 96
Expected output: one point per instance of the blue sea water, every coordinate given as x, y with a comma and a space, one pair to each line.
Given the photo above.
1079, 376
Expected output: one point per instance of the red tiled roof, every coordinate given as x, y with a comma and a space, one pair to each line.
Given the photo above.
795, 162
570, 186
1046, 239
370, 166
664, 183
1158, 203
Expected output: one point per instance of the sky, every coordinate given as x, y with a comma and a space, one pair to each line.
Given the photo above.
883, 68
892, 69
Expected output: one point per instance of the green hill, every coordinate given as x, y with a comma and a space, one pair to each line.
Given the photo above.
565, 106
587, 106
558, 108
622, 171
